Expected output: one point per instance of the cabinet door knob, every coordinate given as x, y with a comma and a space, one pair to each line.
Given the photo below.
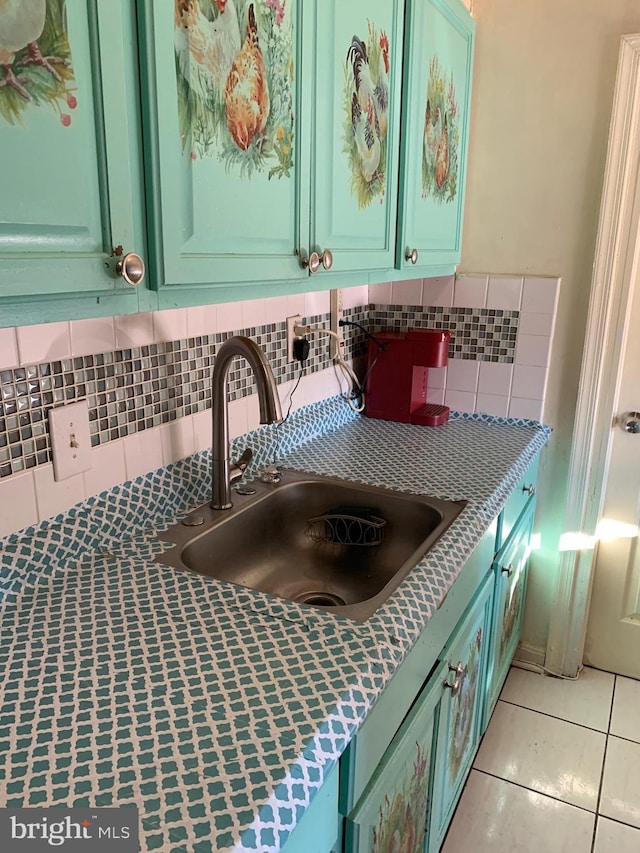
411, 255
508, 570
529, 490
459, 671
631, 422
316, 260
131, 268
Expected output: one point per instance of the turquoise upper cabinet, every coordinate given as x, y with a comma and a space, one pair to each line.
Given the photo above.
436, 99
223, 95
71, 174
353, 53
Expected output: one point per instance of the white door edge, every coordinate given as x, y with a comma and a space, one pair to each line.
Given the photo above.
611, 292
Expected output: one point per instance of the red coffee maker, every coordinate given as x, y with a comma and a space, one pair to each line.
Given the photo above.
397, 379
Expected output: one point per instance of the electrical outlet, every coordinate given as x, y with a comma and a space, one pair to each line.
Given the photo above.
70, 439
336, 316
292, 322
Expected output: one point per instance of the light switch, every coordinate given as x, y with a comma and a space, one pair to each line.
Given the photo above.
70, 439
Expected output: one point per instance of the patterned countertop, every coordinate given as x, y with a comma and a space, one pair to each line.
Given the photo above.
217, 710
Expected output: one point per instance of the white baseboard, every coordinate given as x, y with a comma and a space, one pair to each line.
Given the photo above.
531, 655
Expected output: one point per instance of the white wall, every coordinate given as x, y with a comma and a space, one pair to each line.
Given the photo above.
543, 85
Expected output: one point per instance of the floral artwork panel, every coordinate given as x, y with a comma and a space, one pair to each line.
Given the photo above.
366, 107
463, 708
35, 60
401, 817
235, 74
441, 140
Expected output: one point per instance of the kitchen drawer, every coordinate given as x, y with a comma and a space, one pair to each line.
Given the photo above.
392, 812
317, 830
521, 498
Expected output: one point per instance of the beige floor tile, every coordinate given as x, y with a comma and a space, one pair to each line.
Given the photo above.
621, 782
625, 720
612, 837
586, 701
550, 756
495, 816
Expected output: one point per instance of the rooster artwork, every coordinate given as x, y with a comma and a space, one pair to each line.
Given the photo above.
234, 68
35, 59
441, 137
366, 108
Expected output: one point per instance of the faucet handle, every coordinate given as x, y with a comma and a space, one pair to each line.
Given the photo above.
238, 468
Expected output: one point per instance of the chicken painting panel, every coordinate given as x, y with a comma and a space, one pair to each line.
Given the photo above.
35, 59
441, 136
366, 106
234, 68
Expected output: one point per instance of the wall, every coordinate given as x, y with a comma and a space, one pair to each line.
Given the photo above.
543, 85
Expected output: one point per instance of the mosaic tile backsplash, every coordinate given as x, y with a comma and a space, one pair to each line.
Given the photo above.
134, 389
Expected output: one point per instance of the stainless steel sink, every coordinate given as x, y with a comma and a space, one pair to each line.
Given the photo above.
319, 541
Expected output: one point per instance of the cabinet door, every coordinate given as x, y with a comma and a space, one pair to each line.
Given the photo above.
69, 141
461, 710
357, 51
392, 812
222, 145
510, 568
436, 99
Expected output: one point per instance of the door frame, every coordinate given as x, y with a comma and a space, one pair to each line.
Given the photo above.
615, 269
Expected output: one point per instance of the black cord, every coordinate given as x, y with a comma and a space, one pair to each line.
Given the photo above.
276, 454
378, 343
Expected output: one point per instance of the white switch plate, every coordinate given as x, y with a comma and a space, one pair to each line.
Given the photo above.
70, 439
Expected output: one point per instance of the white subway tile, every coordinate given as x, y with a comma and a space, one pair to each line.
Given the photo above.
462, 375
529, 382
380, 294
202, 430
540, 294
505, 293
295, 304
317, 302
202, 320
528, 409
239, 415
495, 378
492, 404
44, 342
470, 291
355, 297
8, 349
18, 502
134, 330
143, 452
531, 323
533, 350
54, 497
438, 291
170, 325
435, 395
407, 292
274, 309
92, 336
229, 316
108, 468
460, 401
252, 313
437, 377
177, 440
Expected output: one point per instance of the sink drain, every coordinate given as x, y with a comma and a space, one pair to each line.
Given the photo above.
320, 599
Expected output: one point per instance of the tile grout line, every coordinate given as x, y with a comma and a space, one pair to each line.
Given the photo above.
553, 717
533, 791
604, 760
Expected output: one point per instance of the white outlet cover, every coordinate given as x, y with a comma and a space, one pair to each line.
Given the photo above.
70, 439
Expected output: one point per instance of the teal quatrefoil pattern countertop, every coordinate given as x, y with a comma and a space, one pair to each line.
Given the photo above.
216, 710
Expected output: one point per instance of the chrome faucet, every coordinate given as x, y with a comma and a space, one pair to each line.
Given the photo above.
224, 471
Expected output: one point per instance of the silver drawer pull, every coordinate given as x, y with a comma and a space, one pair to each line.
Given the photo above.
529, 490
459, 671
508, 570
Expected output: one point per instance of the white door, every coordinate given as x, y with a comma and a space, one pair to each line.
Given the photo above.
613, 632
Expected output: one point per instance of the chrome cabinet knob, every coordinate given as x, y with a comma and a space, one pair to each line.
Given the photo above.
411, 255
454, 686
508, 570
131, 268
529, 490
317, 260
631, 422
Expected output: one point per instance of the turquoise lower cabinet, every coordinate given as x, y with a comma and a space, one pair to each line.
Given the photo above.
317, 831
393, 810
510, 569
460, 718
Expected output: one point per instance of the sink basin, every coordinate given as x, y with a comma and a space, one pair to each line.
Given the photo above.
314, 540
